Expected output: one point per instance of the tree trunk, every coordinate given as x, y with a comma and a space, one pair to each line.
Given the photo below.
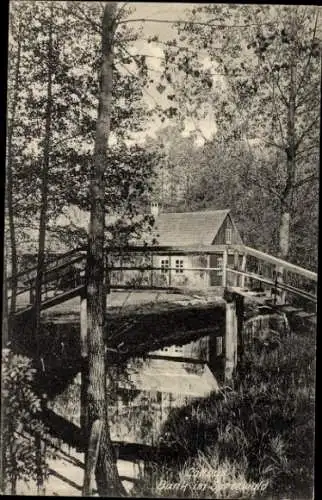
3, 423
287, 198
107, 478
43, 224
44, 181
5, 323
284, 233
13, 247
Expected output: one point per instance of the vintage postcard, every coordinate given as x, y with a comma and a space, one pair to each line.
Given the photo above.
160, 249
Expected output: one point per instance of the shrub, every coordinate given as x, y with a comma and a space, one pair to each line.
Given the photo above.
21, 424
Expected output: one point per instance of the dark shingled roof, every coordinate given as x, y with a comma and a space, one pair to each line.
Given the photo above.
188, 228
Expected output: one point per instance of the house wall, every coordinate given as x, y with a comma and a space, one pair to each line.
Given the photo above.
130, 277
191, 279
215, 277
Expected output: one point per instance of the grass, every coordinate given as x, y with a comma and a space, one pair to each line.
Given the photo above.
205, 477
255, 440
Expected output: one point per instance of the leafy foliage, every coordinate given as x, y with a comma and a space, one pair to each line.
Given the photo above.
21, 423
256, 68
75, 62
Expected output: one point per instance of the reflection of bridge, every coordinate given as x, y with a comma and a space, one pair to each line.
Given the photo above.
146, 313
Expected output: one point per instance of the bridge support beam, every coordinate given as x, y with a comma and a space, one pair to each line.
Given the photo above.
230, 340
240, 305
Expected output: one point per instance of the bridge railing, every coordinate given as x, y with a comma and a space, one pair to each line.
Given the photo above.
260, 271
173, 268
137, 268
64, 272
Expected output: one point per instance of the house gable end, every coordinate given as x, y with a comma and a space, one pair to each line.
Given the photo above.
220, 237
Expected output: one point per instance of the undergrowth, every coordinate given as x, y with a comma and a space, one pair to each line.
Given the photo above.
253, 440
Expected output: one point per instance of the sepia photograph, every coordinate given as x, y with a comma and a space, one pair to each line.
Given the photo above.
160, 249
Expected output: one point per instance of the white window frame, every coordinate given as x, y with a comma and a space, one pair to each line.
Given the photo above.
179, 265
164, 264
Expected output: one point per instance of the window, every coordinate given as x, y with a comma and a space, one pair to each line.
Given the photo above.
164, 265
179, 266
228, 236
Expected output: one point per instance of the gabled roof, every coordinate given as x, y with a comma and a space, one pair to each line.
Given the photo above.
188, 228
170, 229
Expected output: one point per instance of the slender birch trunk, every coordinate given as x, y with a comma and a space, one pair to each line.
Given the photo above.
107, 478
43, 224
11, 220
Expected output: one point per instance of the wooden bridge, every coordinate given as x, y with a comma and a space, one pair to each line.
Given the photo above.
251, 270
146, 311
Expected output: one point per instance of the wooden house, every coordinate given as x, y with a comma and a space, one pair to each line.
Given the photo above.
214, 228
186, 230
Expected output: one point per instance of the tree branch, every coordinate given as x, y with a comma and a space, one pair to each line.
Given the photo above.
307, 96
268, 187
170, 45
279, 119
283, 97
273, 144
276, 81
302, 136
138, 78
97, 28
309, 178
198, 23
310, 54
121, 10
308, 148
66, 139
255, 180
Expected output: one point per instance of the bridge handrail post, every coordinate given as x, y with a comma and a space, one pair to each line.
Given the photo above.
224, 267
243, 268
279, 281
236, 266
